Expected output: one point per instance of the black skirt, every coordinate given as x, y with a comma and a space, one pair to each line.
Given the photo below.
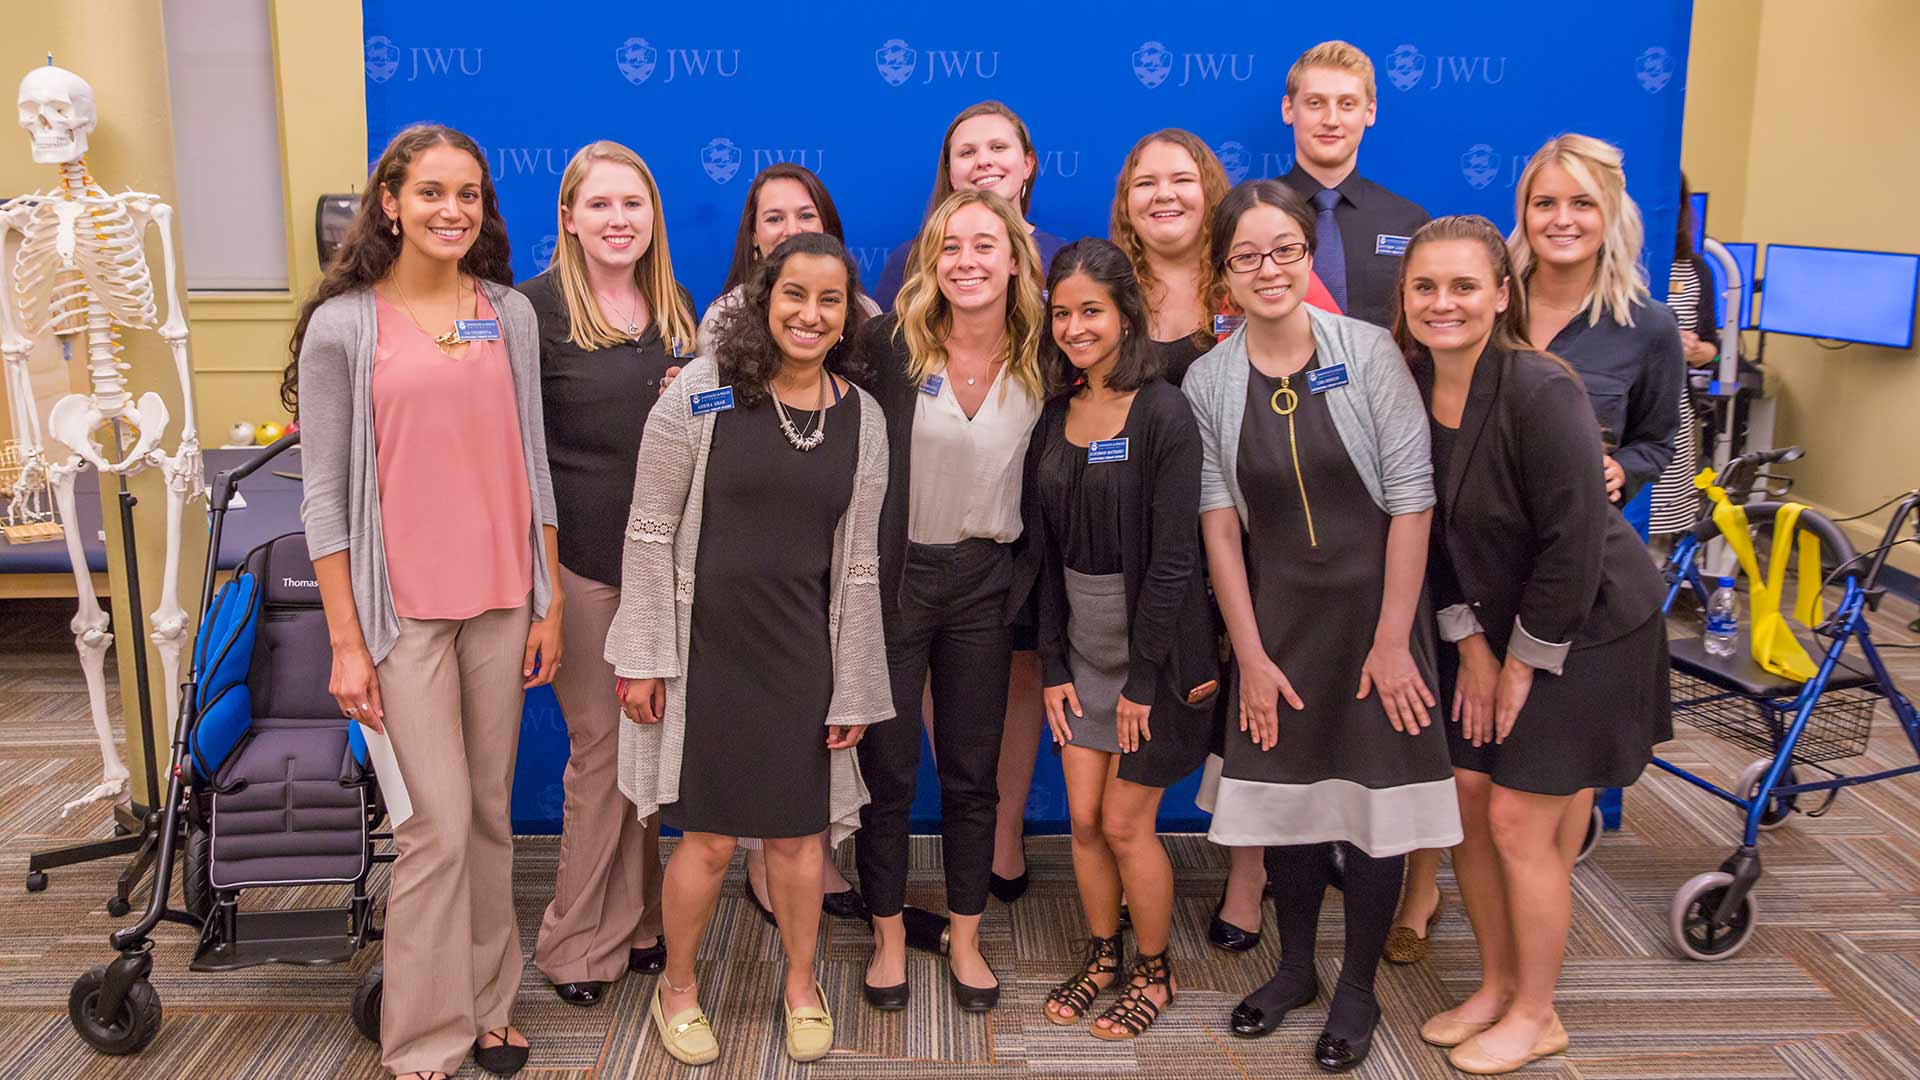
759, 665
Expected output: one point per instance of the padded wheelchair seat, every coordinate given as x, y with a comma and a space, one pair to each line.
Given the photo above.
281, 814
1739, 673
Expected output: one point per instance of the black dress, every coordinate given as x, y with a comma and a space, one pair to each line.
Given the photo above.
1178, 355
1315, 567
759, 665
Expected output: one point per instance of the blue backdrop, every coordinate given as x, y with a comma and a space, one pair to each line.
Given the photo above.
861, 93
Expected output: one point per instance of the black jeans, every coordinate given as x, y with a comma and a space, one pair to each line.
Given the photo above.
953, 620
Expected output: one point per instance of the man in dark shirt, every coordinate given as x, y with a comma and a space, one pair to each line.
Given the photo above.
1363, 227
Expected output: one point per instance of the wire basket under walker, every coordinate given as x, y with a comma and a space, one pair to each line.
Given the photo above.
1838, 728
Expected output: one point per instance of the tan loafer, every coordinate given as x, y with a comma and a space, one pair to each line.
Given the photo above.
809, 1029
687, 1035
1405, 945
1470, 1057
1446, 1030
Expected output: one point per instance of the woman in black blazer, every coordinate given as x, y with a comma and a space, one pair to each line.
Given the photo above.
1557, 676
1126, 636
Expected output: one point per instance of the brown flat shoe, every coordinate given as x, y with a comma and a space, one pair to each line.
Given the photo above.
1470, 1057
1408, 946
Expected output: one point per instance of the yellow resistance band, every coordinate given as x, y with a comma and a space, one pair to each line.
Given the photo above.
1774, 646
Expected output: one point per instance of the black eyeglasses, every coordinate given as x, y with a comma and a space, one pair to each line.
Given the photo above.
1248, 261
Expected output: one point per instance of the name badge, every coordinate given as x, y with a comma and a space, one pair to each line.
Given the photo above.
476, 329
1321, 380
932, 386
1227, 324
1385, 244
1104, 450
719, 399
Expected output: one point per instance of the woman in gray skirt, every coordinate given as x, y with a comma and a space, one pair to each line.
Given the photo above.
1126, 638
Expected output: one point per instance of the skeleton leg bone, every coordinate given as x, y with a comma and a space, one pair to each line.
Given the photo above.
91, 638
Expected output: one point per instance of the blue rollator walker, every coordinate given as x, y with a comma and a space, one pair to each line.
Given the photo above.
269, 787
1798, 726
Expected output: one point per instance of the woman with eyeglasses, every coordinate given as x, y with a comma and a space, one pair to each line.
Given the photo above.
1316, 500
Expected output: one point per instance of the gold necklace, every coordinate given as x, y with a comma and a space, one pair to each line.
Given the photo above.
1292, 400
440, 341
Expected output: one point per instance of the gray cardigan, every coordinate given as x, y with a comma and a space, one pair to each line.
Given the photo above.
1378, 414
651, 629
340, 495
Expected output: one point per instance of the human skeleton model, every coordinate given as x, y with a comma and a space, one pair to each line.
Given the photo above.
81, 272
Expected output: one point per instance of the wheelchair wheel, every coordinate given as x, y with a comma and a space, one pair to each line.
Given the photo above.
1779, 807
1690, 918
366, 1004
196, 869
1596, 824
126, 1032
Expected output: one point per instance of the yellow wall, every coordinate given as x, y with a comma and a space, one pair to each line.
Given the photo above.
238, 341
1799, 122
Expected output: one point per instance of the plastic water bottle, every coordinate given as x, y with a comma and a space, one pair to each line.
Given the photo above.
1723, 621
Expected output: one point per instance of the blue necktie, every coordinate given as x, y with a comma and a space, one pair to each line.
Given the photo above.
1329, 256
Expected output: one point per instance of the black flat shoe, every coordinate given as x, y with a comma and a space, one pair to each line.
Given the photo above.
1250, 1021
651, 960
1335, 1053
1007, 890
925, 930
846, 904
1224, 935
887, 998
764, 911
503, 1060
973, 998
584, 994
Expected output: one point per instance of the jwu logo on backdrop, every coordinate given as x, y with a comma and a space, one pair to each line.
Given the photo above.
385, 59
1240, 162
897, 62
1481, 166
1154, 63
1654, 69
638, 59
512, 161
1408, 67
722, 158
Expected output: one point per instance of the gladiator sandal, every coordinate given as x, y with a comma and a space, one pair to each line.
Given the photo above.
1135, 1012
1079, 992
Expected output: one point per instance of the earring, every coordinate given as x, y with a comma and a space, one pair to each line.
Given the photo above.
396, 226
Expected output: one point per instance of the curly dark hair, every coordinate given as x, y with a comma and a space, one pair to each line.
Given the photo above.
369, 249
743, 344
1103, 263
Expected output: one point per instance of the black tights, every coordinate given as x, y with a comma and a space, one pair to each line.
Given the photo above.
1298, 876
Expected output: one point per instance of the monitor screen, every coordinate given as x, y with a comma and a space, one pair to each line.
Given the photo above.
1841, 295
1698, 205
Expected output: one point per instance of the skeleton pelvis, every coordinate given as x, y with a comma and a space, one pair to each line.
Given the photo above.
76, 417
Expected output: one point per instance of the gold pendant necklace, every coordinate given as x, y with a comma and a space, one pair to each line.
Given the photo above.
1292, 401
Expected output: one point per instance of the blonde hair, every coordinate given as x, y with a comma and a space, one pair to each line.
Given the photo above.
925, 319
1594, 164
652, 272
1213, 188
1332, 54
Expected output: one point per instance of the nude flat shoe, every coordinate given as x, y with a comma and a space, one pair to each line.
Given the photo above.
1445, 1030
809, 1028
689, 1036
1470, 1057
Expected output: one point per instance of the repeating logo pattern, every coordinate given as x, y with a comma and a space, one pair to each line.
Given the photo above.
1406, 66
895, 60
721, 159
383, 58
636, 58
1654, 69
543, 251
1235, 159
1152, 63
1479, 165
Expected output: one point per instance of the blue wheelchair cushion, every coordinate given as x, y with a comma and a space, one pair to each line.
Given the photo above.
223, 654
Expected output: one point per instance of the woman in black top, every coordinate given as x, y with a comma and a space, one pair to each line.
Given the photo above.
1126, 633
1165, 196
1558, 676
613, 324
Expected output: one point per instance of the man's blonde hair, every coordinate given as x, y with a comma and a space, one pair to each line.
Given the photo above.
1332, 54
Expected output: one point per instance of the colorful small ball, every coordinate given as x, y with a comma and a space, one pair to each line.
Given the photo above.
241, 434
267, 433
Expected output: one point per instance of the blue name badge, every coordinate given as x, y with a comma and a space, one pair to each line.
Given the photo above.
1227, 324
1321, 380
932, 386
476, 329
716, 400
1385, 244
1104, 450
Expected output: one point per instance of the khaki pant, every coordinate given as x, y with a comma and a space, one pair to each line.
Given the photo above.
452, 693
606, 896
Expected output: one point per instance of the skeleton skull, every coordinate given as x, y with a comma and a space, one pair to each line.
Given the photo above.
56, 108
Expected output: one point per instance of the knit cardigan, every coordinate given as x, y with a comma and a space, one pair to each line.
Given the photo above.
651, 629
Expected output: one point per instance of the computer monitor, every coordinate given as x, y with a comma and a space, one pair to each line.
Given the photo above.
1698, 205
1841, 294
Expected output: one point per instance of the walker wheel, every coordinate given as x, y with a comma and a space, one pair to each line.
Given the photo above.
118, 906
1779, 807
1596, 824
1690, 918
366, 1004
37, 881
127, 1032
